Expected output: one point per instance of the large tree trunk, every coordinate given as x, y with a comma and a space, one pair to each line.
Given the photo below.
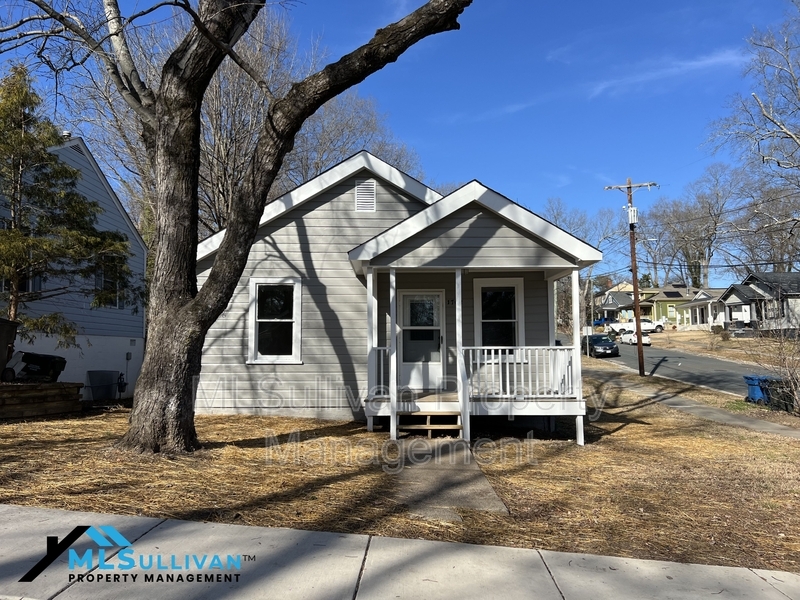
162, 419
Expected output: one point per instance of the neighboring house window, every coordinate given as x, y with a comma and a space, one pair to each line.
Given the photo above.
106, 283
275, 320
670, 311
499, 312
366, 195
26, 284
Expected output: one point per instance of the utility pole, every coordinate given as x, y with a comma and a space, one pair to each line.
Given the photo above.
633, 220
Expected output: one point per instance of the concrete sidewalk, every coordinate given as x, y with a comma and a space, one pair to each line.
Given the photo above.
287, 564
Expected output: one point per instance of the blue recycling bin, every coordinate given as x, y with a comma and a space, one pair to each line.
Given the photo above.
756, 384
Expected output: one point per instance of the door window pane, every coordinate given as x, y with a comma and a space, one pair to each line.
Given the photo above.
421, 311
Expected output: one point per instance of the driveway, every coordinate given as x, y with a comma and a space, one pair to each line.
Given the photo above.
719, 374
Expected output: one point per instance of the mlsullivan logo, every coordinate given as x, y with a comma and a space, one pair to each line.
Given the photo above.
107, 539
104, 536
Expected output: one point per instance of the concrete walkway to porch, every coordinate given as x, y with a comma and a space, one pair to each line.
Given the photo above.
437, 476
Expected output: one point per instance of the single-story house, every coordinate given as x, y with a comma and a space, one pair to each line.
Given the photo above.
768, 301
703, 311
368, 294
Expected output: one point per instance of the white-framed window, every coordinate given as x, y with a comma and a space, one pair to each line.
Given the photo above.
106, 283
366, 195
275, 323
499, 312
670, 311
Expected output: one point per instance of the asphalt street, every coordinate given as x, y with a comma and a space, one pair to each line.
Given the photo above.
719, 374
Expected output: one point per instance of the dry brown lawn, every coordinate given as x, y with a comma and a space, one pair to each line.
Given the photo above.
748, 350
651, 482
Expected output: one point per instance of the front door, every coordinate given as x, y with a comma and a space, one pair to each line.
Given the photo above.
422, 340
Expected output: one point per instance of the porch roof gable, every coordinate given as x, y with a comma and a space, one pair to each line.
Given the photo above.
326, 180
581, 253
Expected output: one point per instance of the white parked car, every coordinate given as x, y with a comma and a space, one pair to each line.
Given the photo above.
629, 337
648, 326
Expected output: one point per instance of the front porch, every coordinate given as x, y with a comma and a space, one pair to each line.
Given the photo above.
475, 379
461, 299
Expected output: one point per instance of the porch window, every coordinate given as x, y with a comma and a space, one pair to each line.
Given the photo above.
499, 312
275, 320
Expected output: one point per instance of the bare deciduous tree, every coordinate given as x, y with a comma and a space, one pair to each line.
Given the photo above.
232, 114
169, 115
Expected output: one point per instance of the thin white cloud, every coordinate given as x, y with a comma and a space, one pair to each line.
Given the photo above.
672, 69
562, 55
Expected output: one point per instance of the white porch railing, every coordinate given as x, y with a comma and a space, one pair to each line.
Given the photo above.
381, 386
521, 372
504, 372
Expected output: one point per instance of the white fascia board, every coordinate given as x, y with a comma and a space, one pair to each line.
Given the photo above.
324, 181
104, 181
474, 191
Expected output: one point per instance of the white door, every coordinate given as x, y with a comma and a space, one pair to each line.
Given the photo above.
422, 340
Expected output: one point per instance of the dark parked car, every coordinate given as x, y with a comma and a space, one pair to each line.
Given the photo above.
598, 345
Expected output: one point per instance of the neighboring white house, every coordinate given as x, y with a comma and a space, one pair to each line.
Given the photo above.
767, 301
111, 338
367, 294
704, 310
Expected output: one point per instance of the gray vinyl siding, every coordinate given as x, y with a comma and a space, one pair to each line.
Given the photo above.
473, 237
310, 242
77, 308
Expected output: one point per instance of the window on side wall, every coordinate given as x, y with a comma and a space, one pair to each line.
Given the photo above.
275, 320
499, 314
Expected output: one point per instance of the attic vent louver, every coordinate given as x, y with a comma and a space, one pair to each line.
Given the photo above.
78, 149
366, 195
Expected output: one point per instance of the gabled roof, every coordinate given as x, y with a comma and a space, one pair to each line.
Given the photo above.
475, 192
326, 180
704, 296
77, 144
783, 283
744, 292
617, 299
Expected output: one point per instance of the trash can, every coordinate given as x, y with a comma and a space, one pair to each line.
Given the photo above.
779, 395
103, 384
8, 332
756, 384
41, 368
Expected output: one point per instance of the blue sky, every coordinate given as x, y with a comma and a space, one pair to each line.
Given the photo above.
547, 99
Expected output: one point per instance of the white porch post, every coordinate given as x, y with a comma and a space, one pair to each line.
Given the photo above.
576, 354
551, 310
463, 392
371, 362
393, 353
